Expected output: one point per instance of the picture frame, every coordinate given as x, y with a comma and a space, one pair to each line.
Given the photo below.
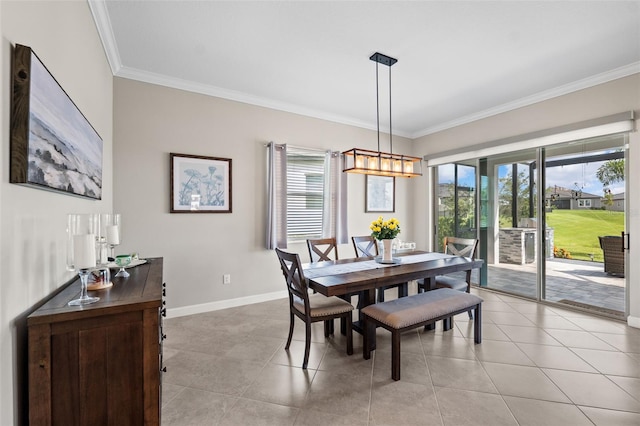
53, 146
200, 184
380, 194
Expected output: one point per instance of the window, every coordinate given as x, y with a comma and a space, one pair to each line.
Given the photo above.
306, 196
305, 193
584, 203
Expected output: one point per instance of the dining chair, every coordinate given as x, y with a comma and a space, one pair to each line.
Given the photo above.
311, 308
366, 246
465, 247
321, 249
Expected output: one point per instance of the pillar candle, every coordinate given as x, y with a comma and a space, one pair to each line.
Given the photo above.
113, 234
84, 251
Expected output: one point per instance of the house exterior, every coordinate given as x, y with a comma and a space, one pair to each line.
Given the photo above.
568, 199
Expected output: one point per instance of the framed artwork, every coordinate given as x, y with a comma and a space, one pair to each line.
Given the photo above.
200, 184
380, 194
53, 146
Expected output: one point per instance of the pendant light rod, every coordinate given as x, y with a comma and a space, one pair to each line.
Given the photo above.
390, 130
380, 163
378, 107
380, 58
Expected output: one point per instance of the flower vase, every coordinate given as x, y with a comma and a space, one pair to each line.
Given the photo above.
387, 251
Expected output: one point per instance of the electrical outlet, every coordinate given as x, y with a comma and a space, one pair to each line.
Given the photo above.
226, 279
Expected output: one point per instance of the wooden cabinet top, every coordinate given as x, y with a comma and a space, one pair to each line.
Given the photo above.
141, 290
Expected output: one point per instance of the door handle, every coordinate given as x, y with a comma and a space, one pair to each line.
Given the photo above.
628, 243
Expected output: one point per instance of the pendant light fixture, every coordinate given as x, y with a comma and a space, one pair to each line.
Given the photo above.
380, 163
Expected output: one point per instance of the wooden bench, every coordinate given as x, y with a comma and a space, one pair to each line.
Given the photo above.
415, 311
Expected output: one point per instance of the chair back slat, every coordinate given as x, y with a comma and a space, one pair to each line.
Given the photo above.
322, 249
465, 247
294, 276
365, 246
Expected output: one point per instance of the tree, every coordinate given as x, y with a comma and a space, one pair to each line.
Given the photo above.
611, 171
507, 198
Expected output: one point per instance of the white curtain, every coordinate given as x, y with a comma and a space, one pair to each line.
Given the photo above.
335, 199
277, 196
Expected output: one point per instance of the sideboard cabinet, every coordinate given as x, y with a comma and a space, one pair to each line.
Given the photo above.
99, 364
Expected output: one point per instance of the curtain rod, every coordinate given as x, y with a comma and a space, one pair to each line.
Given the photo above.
301, 147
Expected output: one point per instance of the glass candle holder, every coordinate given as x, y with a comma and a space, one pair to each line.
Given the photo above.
81, 251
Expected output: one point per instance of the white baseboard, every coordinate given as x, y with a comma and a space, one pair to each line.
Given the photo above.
224, 304
633, 321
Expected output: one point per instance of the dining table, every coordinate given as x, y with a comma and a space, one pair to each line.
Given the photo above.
364, 275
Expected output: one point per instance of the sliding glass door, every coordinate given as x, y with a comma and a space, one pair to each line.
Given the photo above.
511, 237
456, 211
585, 217
539, 228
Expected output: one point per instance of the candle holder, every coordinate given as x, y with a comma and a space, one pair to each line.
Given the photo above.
84, 298
110, 226
81, 251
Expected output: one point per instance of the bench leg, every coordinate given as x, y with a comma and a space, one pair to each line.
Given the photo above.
477, 324
395, 355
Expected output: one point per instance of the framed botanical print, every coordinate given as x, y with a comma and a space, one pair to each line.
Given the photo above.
200, 184
380, 194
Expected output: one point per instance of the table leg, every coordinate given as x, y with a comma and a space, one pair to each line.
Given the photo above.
369, 330
429, 284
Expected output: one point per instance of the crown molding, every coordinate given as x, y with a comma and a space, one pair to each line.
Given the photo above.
105, 31
205, 89
585, 83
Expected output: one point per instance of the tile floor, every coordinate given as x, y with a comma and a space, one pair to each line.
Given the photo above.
537, 365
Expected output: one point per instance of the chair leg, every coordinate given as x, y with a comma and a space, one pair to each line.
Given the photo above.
470, 314
477, 325
327, 328
291, 322
307, 345
395, 355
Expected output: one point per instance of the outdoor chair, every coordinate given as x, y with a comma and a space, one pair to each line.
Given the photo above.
311, 308
613, 254
366, 246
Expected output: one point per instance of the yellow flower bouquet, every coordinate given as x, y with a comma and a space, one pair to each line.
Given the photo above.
385, 229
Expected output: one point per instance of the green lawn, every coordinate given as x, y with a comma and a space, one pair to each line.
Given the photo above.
577, 230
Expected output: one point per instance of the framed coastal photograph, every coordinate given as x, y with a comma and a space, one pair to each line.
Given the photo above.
53, 146
200, 184
380, 194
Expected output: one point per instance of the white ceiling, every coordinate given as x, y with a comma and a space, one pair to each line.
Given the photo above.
457, 61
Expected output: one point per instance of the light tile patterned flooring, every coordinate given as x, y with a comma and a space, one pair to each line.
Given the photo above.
536, 365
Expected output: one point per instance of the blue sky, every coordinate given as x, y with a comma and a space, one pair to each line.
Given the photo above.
581, 175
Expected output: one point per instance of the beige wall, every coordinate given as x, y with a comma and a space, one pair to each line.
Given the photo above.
33, 222
599, 101
152, 121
